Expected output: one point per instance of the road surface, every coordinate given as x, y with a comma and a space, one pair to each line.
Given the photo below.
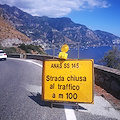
20, 96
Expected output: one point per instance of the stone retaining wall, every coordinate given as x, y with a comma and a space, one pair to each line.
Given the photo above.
108, 79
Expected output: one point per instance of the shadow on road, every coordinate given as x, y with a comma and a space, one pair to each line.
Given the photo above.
38, 100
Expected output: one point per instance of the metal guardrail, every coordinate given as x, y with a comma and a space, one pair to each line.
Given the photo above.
31, 56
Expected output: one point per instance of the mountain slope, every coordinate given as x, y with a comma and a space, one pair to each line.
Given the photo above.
80, 33
55, 30
9, 36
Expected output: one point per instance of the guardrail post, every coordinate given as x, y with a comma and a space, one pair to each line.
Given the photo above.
21, 55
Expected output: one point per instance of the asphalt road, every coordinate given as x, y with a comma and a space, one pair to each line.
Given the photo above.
20, 95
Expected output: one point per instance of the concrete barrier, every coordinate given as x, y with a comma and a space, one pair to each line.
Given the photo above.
108, 79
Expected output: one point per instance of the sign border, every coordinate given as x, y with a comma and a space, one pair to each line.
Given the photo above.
93, 81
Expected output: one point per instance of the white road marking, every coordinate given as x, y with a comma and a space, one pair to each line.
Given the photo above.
27, 60
34, 63
34, 88
69, 112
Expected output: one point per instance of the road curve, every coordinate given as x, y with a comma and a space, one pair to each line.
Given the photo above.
20, 95
20, 98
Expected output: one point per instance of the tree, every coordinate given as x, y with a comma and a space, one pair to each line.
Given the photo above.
112, 58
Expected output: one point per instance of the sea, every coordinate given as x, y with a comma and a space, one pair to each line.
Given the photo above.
96, 53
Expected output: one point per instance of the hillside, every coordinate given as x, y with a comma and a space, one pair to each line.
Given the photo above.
9, 36
46, 31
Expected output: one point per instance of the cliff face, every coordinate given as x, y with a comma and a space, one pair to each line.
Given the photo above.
9, 35
44, 30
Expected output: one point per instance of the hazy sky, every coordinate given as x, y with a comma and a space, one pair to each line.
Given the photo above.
95, 14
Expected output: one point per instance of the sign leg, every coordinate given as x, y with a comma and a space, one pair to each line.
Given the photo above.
51, 105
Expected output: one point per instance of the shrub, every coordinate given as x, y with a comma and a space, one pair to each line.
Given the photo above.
10, 50
112, 58
28, 48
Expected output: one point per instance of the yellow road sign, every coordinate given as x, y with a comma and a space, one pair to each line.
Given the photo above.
68, 80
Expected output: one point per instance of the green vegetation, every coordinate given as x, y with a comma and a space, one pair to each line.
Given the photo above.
30, 48
10, 50
112, 58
